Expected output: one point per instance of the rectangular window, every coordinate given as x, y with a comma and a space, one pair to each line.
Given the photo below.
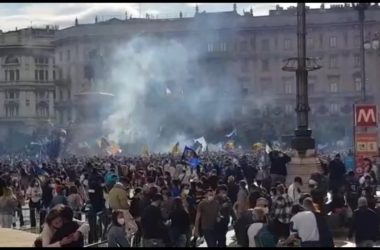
288, 87
60, 94
358, 83
320, 41
53, 75
210, 47
41, 75
46, 75
310, 43
243, 46
265, 45
60, 56
253, 43
245, 65
287, 44
6, 75
311, 84
53, 60
264, 65
60, 74
333, 83
332, 42
334, 108
11, 75
345, 38
68, 55
27, 102
356, 61
333, 62
356, 41
36, 75
289, 109
17, 75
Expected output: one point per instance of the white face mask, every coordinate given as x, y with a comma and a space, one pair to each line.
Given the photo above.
210, 198
266, 210
186, 191
121, 221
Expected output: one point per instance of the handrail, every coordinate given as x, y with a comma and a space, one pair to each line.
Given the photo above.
96, 244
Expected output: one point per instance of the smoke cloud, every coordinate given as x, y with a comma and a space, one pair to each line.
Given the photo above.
164, 94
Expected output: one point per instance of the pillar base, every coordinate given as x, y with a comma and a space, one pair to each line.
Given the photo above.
303, 166
303, 143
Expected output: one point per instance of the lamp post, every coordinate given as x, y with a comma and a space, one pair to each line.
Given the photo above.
361, 8
302, 140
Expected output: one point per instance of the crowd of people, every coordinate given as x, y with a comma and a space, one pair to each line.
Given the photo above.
163, 201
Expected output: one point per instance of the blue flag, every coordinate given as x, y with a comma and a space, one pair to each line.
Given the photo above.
232, 134
190, 156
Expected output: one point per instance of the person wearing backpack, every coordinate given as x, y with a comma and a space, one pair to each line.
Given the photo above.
259, 234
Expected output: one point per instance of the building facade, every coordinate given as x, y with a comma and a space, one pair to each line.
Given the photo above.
27, 83
248, 50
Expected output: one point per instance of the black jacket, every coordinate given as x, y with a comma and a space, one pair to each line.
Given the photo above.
365, 225
278, 164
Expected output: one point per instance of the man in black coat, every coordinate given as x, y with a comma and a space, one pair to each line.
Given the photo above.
278, 169
337, 172
365, 225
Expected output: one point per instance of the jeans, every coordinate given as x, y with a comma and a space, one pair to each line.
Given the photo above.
33, 207
210, 237
6, 220
365, 243
221, 238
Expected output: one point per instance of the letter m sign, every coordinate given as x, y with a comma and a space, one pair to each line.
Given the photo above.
365, 116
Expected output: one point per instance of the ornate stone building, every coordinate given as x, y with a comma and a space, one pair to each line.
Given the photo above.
248, 50
26, 83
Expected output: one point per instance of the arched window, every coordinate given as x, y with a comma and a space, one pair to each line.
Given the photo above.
11, 60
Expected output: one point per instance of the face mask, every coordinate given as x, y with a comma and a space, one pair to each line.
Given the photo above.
121, 221
52, 186
186, 191
210, 198
266, 210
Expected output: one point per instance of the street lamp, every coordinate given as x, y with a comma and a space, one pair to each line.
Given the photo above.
301, 65
361, 8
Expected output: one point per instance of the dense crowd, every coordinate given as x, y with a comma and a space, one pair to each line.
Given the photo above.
163, 200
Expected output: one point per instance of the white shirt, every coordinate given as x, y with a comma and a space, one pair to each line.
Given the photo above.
305, 225
294, 194
253, 230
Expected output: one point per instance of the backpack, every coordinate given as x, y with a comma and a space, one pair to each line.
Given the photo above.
265, 238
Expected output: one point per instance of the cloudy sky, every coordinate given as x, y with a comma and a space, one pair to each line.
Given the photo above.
23, 15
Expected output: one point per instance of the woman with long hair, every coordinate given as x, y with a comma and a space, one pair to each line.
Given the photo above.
116, 234
8, 205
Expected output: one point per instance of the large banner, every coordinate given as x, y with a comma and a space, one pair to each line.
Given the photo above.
366, 147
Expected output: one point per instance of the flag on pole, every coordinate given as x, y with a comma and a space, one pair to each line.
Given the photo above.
190, 156
146, 150
175, 150
232, 134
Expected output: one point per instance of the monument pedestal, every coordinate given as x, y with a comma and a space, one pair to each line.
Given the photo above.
303, 166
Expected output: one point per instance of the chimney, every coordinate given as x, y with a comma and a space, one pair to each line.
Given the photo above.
47, 27
235, 7
76, 21
96, 19
126, 15
322, 6
196, 9
180, 15
251, 11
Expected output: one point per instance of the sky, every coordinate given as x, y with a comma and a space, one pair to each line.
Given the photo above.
23, 15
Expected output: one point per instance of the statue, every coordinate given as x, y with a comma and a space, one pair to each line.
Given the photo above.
94, 71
